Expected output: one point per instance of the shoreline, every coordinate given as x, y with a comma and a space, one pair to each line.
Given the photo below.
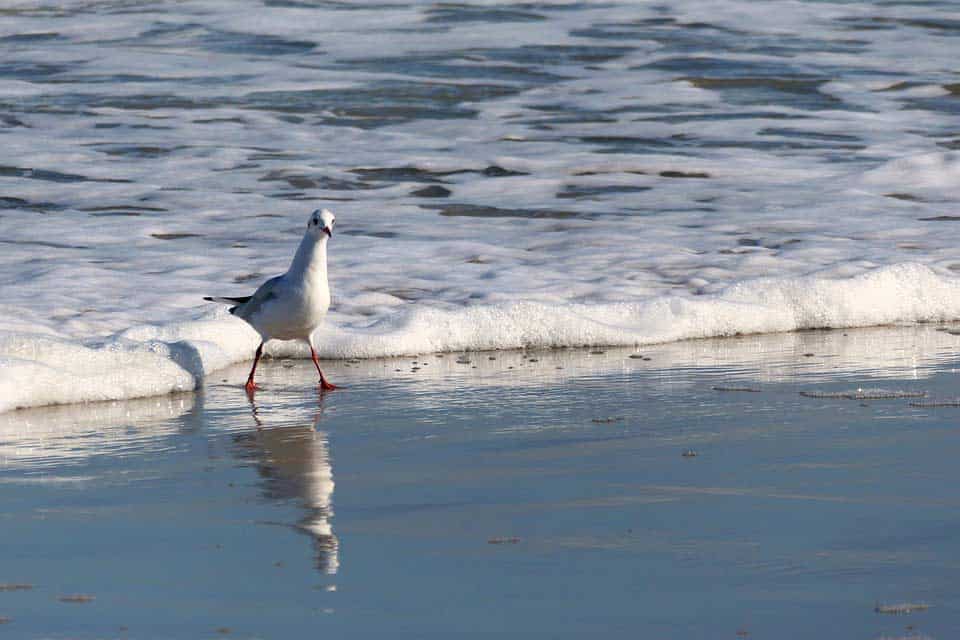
934, 336
156, 359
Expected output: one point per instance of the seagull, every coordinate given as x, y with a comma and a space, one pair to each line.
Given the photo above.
291, 306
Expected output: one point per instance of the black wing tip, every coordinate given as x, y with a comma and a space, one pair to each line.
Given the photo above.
232, 310
236, 302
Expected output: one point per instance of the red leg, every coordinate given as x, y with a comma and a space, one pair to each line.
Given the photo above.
251, 386
326, 386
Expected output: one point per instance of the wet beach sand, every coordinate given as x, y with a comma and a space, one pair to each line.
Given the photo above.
778, 486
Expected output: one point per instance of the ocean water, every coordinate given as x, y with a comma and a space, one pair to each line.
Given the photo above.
505, 175
538, 494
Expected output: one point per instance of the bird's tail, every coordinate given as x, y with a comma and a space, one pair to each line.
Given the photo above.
226, 300
236, 302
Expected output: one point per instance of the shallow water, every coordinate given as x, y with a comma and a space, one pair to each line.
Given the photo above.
532, 492
479, 156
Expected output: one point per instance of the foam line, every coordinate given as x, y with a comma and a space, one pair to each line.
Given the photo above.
153, 360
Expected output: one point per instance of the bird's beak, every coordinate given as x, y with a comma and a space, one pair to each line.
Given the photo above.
328, 231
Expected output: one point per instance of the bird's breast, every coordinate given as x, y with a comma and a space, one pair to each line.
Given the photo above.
295, 312
316, 298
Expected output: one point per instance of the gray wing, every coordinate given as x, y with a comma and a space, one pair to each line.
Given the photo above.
251, 306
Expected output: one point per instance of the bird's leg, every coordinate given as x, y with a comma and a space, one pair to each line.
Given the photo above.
326, 386
251, 386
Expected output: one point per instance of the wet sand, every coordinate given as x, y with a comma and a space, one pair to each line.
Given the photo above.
687, 490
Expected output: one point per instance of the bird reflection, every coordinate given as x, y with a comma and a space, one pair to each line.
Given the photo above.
294, 462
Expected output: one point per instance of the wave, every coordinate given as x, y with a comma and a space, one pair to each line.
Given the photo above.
154, 360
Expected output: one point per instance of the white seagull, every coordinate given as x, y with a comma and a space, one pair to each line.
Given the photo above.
291, 306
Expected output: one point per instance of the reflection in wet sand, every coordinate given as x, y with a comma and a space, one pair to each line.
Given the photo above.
294, 463
54, 436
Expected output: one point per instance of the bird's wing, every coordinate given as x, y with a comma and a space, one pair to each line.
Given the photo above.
251, 305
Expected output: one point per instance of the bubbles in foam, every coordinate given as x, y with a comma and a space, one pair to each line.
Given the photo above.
663, 174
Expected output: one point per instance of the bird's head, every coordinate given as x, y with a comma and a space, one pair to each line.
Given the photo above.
320, 224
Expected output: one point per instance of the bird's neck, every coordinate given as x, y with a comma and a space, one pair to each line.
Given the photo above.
310, 260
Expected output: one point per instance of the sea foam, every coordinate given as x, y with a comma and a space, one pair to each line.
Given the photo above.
611, 173
151, 360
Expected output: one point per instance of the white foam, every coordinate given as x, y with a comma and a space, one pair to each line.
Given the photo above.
926, 171
37, 370
150, 360
654, 206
